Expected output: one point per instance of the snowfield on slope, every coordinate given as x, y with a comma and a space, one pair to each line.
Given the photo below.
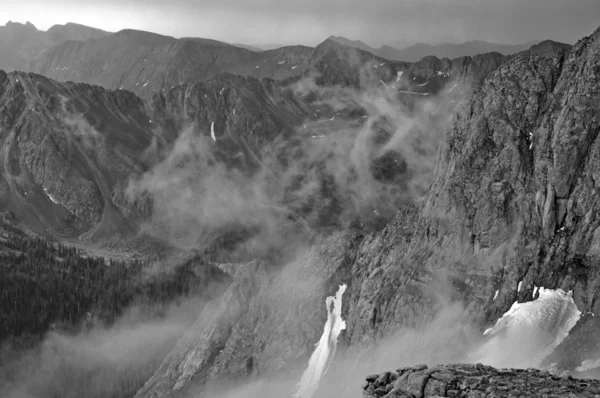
528, 332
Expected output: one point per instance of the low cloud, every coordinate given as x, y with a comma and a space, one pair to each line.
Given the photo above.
102, 362
364, 154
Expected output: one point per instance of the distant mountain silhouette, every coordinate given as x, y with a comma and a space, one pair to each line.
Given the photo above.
419, 51
248, 47
547, 48
467, 49
21, 43
355, 43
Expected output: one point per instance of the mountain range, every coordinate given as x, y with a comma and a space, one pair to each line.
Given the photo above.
418, 51
145, 62
511, 207
440, 184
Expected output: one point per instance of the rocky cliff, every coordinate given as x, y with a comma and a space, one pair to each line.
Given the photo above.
470, 381
511, 207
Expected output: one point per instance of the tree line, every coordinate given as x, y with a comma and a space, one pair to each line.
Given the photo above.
45, 285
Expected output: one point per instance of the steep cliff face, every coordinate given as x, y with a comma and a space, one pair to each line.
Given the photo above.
512, 207
518, 167
512, 201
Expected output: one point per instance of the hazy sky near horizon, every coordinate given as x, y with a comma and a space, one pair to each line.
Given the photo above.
309, 22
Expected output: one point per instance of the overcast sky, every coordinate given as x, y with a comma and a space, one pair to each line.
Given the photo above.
310, 21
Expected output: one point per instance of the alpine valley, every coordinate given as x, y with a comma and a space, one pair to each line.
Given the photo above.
183, 217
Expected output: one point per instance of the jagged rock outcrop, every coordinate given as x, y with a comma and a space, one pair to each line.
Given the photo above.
471, 381
513, 202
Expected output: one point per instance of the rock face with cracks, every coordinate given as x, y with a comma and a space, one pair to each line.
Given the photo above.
475, 381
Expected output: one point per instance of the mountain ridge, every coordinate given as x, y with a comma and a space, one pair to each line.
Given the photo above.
419, 51
473, 235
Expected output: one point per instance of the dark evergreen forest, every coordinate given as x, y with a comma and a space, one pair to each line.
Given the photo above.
46, 285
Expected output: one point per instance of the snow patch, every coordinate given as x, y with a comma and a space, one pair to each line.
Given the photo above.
588, 364
519, 287
452, 88
51, 197
294, 67
281, 63
385, 85
320, 360
399, 76
530, 140
529, 332
145, 84
421, 85
496, 296
212, 131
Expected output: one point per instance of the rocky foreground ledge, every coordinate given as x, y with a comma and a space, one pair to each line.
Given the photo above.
475, 381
